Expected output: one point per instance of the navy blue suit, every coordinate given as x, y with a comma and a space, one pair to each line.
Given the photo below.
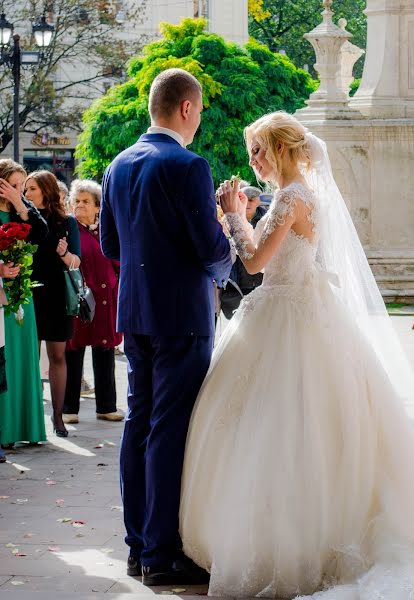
158, 217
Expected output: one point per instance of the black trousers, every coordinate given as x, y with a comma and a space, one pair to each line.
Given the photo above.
103, 360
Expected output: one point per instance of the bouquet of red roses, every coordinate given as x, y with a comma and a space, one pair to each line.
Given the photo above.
15, 248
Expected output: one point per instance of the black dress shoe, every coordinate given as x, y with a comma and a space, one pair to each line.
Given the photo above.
183, 572
133, 567
195, 575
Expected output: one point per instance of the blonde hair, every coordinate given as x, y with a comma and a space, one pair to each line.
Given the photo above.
280, 128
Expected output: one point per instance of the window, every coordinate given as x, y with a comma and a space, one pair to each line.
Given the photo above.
201, 8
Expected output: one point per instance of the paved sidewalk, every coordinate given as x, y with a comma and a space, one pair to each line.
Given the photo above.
61, 526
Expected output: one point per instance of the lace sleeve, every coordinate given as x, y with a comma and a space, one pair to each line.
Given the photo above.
242, 235
288, 203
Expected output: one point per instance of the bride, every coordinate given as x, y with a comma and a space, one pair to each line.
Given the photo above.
298, 477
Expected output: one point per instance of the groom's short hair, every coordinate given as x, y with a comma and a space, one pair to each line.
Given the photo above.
169, 89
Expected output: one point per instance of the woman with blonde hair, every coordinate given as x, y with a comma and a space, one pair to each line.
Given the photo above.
298, 478
21, 406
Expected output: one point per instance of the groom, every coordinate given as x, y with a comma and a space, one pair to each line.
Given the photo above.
158, 218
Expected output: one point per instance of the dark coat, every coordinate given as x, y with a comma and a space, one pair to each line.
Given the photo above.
158, 216
101, 275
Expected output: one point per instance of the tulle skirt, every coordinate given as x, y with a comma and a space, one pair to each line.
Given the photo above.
299, 470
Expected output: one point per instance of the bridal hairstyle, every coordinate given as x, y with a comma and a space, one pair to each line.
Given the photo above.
280, 128
48, 185
169, 89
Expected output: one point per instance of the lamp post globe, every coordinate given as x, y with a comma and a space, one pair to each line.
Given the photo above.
6, 30
43, 32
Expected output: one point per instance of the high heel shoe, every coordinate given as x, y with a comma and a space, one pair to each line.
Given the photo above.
59, 432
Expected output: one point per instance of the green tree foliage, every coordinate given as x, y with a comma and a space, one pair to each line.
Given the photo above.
282, 24
239, 85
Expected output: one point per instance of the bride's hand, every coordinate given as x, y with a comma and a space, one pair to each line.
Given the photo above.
229, 196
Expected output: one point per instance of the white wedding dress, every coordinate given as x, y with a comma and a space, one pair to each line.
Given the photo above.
299, 470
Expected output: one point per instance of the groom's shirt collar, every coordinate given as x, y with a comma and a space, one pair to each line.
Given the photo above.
176, 136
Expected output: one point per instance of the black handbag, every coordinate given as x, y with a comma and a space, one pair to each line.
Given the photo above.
73, 291
87, 305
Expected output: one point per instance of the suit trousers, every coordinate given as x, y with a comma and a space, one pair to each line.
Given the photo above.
103, 361
165, 374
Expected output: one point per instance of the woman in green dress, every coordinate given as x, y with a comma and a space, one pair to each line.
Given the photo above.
21, 406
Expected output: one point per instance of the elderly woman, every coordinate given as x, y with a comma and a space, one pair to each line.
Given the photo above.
101, 276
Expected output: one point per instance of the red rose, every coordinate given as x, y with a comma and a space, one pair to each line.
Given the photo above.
11, 234
5, 243
23, 232
7, 226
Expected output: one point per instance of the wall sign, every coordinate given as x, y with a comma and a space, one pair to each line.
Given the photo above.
47, 140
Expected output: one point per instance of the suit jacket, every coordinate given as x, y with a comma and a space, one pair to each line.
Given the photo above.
158, 217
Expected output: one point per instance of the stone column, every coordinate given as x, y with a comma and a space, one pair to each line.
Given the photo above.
387, 86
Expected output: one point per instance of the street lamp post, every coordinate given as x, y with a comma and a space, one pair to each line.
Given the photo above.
13, 57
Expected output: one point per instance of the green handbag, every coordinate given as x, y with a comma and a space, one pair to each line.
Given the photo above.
73, 291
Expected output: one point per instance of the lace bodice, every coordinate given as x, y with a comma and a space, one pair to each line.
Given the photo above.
296, 257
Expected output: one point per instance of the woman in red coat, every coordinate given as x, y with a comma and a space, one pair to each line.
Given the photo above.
101, 275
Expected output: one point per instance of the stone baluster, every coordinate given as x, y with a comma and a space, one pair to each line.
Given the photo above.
349, 55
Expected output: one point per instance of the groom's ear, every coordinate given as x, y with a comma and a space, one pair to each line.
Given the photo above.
185, 109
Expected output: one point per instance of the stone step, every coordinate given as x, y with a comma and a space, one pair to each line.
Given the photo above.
52, 595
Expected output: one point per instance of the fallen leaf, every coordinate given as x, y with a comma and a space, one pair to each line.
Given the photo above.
54, 549
15, 551
110, 443
28, 535
117, 508
21, 500
64, 520
99, 446
107, 550
102, 465
78, 524
20, 554
17, 582
10, 545
4, 497
60, 502
50, 482
78, 535
179, 590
